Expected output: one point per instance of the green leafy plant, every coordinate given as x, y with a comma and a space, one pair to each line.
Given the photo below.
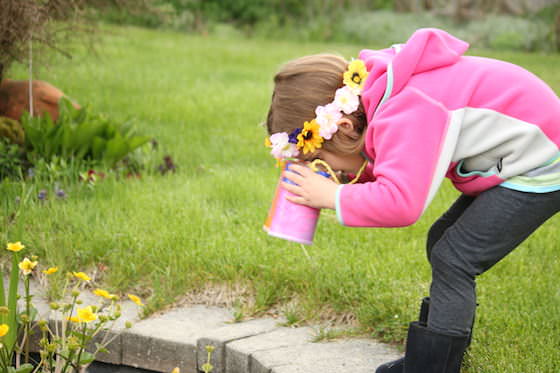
68, 344
11, 159
11, 130
9, 315
79, 134
208, 367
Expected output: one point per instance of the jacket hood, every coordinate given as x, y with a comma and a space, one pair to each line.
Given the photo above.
425, 50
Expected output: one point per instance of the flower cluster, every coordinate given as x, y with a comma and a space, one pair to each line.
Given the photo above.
65, 345
325, 124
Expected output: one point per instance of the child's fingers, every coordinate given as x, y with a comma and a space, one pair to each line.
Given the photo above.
300, 169
295, 189
297, 173
293, 177
296, 199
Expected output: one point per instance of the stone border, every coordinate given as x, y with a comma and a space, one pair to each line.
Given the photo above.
178, 338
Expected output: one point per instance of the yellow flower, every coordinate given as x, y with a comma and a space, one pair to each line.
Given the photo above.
356, 74
4, 329
26, 266
86, 314
103, 293
73, 319
81, 275
15, 246
267, 142
309, 139
135, 299
50, 271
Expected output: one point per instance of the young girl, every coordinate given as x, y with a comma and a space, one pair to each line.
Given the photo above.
412, 115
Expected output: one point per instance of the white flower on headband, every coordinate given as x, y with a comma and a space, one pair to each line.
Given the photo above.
347, 100
282, 147
327, 118
324, 125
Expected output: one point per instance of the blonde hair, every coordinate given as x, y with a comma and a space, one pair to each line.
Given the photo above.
305, 83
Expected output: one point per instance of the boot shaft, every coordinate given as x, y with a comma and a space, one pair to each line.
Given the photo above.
428, 351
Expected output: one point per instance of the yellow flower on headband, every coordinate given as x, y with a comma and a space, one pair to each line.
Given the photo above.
356, 74
309, 139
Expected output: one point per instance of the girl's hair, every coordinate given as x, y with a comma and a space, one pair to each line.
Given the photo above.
305, 83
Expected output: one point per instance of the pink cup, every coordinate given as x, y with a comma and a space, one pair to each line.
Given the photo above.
289, 220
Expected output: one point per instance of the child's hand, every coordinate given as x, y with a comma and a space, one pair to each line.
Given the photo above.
312, 189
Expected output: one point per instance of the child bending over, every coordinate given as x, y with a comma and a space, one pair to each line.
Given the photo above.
416, 113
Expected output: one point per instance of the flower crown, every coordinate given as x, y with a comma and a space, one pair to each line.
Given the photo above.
311, 137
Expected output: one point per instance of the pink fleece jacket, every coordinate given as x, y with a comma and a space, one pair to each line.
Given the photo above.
434, 113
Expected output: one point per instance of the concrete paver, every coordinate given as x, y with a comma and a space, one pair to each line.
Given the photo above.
239, 354
178, 338
347, 355
220, 336
169, 340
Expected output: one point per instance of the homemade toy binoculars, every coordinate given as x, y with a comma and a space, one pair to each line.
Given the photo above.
289, 220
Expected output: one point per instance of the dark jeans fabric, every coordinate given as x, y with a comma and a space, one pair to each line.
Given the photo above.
473, 235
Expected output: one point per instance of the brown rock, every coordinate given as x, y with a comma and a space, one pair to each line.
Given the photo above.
14, 98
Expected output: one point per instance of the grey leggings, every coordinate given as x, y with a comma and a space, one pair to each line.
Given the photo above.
473, 235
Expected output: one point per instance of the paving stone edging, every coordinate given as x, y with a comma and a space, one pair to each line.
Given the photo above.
178, 338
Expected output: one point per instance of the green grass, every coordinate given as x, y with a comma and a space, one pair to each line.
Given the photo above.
203, 98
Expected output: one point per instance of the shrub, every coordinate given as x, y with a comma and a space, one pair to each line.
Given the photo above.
203, 14
493, 31
384, 27
11, 130
22, 21
11, 159
79, 135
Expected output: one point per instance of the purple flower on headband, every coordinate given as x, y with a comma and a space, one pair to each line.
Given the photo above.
293, 136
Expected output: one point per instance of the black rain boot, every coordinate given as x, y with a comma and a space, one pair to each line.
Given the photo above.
428, 351
397, 366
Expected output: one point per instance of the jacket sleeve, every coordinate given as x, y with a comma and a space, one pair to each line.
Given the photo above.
408, 135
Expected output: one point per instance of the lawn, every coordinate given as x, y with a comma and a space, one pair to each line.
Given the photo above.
162, 237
